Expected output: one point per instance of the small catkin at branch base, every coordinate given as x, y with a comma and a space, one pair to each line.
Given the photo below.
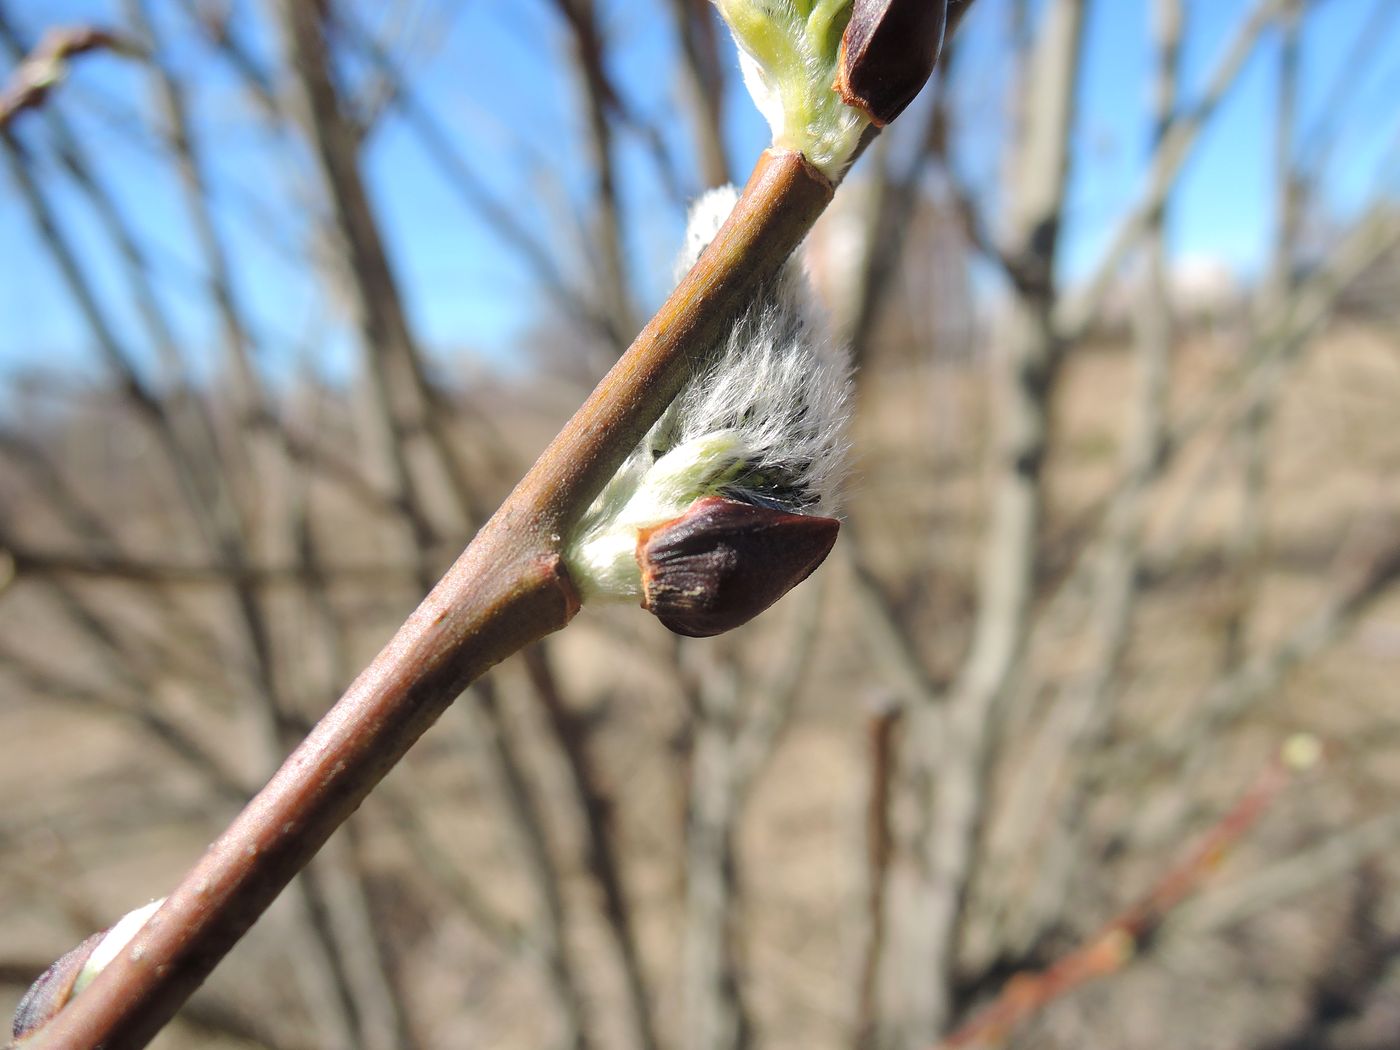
75, 970
760, 426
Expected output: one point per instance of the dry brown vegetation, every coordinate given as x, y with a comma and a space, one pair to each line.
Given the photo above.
114, 813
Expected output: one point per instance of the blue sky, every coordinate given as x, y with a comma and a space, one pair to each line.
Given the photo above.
497, 76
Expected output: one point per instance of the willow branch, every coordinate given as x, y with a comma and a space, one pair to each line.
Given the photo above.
507, 589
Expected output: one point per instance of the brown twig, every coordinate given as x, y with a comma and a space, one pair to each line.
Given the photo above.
508, 588
31, 561
879, 844
704, 83
597, 806
47, 65
599, 98
953, 752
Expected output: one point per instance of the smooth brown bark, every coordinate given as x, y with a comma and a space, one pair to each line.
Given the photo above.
508, 588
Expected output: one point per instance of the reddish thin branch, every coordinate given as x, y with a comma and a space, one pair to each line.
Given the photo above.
1115, 945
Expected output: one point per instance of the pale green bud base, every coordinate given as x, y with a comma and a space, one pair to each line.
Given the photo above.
602, 560
789, 54
117, 938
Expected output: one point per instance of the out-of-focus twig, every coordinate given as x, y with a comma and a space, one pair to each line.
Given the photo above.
1249, 538
894, 652
550, 938
951, 752
600, 98
1120, 941
715, 1013
1318, 865
601, 853
162, 730
879, 846
1075, 313
769, 710
450, 160
393, 365
32, 561
1285, 333
1080, 717
1367, 569
46, 66
1318, 141
186, 433
508, 589
695, 26
735, 728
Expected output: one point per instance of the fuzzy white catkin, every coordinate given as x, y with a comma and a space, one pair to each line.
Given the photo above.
763, 421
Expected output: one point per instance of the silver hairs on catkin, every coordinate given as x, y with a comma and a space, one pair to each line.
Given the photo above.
779, 382
762, 421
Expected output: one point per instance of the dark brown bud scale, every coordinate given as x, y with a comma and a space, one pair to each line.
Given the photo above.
54, 987
888, 52
722, 562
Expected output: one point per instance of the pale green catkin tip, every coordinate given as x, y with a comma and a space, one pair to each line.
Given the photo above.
117, 938
789, 54
602, 556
